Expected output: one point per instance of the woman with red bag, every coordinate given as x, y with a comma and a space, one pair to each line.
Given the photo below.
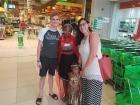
67, 54
90, 53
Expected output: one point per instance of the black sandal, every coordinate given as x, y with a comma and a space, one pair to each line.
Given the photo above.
54, 96
38, 101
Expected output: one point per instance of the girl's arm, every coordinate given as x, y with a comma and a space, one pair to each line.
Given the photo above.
93, 44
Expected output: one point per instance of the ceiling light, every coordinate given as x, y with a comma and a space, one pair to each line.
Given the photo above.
53, 8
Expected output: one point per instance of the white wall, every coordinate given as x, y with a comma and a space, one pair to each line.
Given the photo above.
129, 13
115, 22
120, 15
103, 8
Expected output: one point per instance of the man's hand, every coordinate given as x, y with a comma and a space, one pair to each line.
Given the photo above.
39, 65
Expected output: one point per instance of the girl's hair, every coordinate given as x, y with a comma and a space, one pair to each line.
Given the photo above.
90, 29
52, 15
69, 26
75, 26
80, 35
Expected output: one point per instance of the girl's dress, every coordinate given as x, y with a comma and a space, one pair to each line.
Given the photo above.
67, 54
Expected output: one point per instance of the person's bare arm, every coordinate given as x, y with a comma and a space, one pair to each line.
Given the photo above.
79, 59
38, 53
93, 44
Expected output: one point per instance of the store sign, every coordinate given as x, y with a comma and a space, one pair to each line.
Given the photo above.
98, 22
11, 6
127, 25
105, 20
130, 4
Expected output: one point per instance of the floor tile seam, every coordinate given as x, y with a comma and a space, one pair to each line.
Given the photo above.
18, 56
27, 86
13, 104
24, 101
8, 89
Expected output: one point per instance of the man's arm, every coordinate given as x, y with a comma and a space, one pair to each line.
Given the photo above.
39, 50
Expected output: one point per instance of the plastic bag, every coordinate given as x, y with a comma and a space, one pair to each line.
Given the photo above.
106, 67
59, 83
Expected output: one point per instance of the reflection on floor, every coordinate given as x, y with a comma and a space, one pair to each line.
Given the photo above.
19, 76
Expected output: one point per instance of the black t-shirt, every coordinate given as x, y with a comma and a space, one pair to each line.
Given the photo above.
50, 44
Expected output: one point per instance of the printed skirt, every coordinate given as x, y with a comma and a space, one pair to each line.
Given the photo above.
91, 92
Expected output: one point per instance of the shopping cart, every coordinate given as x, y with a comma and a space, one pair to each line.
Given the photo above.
130, 95
131, 72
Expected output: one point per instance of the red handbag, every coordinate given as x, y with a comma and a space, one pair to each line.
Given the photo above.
105, 67
59, 83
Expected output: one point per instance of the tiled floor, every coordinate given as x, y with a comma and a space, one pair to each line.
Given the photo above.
19, 76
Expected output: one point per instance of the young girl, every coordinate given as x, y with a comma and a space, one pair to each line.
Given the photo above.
67, 54
74, 85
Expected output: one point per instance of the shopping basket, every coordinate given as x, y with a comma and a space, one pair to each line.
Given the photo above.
129, 96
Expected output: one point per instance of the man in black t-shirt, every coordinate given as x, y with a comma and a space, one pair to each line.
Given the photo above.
47, 56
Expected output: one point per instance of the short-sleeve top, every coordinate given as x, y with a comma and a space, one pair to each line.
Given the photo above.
49, 39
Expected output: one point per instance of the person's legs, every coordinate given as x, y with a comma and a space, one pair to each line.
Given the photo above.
41, 90
65, 85
66, 61
52, 66
42, 74
41, 86
50, 82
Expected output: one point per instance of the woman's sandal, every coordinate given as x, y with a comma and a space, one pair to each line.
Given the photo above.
54, 96
38, 101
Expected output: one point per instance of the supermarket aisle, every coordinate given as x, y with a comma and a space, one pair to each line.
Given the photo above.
19, 75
